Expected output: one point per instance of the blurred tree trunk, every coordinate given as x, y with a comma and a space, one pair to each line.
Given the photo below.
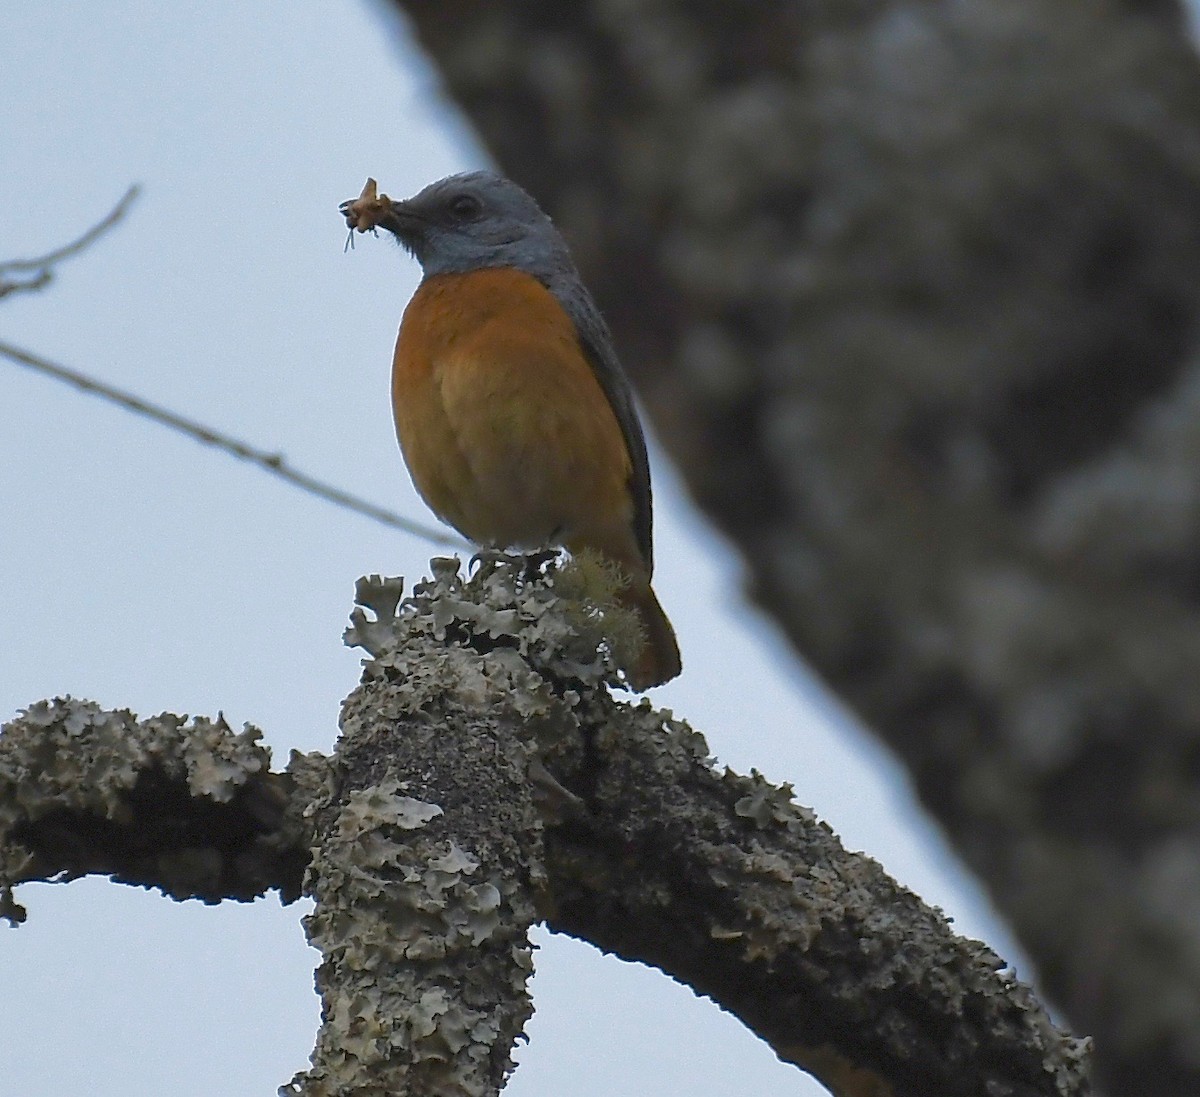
909, 291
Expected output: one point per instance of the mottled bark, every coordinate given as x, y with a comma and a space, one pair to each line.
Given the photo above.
424, 871
485, 777
185, 806
909, 289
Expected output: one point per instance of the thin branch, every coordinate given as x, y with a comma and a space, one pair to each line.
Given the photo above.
31, 285
43, 265
85, 241
273, 463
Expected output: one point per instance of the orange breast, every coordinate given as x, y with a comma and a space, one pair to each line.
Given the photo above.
505, 429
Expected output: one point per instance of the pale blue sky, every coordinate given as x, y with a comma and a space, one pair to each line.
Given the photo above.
145, 571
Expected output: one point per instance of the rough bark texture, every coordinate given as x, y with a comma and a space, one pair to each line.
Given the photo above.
757, 905
909, 288
485, 777
187, 807
424, 869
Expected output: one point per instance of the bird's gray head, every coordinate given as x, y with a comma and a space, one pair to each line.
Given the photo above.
478, 219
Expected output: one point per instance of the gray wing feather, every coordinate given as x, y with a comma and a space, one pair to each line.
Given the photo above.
597, 344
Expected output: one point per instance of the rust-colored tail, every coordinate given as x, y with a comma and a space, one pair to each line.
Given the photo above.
659, 661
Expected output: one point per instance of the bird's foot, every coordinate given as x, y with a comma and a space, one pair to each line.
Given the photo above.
529, 565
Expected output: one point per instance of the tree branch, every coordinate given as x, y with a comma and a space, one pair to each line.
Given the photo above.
427, 861
190, 808
485, 777
41, 268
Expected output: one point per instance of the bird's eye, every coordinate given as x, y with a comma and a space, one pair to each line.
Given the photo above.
466, 207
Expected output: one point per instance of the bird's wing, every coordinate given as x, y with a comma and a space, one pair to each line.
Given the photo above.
597, 344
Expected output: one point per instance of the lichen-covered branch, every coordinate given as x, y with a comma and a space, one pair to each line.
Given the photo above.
653, 853
487, 778
188, 807
425, 867
910, 290
842, 971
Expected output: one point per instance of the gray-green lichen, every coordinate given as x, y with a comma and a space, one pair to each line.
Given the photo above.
528, 613
190, 807
428, 858
412, 930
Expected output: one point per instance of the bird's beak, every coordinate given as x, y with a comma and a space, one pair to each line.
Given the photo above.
403, 222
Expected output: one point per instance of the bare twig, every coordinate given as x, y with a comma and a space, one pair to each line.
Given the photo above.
273, 463
42, 265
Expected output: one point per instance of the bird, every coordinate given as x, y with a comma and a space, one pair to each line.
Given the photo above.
514, 416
